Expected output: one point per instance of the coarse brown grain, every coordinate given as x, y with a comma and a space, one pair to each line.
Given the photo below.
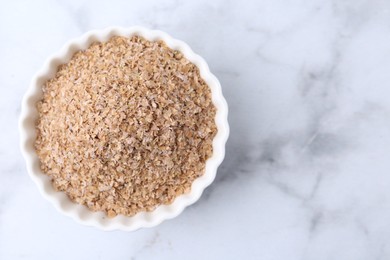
125, 126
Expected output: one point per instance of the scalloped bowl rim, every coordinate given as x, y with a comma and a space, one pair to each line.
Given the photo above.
80, 213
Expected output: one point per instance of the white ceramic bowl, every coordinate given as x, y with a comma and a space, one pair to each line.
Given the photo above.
81, 213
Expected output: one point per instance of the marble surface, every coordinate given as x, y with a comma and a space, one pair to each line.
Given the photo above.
307, 169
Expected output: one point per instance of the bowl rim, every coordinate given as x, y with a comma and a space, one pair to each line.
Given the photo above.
79, 212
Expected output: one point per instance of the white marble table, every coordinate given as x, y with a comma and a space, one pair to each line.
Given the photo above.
307, 170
